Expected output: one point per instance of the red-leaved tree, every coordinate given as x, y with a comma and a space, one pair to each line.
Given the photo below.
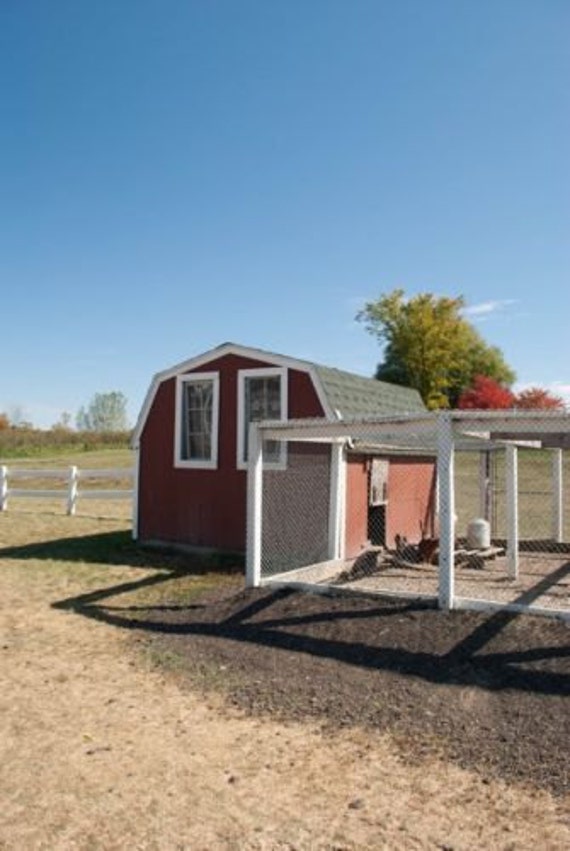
486, 394
538, 399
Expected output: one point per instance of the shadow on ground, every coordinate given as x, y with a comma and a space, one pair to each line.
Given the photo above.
461, 648
491, 691
453, 648
117, 548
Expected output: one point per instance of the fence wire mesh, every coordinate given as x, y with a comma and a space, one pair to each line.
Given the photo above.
469, 509
295, 524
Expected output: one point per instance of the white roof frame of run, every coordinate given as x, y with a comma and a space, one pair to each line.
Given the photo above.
472, 430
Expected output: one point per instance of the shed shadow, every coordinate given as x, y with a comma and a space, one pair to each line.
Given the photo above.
255, 618
119, 548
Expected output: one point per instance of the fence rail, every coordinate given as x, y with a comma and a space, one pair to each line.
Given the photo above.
69, 491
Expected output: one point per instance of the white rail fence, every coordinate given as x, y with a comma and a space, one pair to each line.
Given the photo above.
69, 489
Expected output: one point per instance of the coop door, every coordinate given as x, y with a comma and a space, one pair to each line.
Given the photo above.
378, 492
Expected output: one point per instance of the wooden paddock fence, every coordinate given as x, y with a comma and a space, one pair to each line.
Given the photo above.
69, 490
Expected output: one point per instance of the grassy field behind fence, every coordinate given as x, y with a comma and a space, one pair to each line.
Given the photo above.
20, 443
534, 492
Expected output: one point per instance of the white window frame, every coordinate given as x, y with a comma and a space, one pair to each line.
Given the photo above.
261, 372
181, 382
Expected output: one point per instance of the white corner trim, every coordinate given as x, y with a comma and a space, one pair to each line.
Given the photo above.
136, 486
332, 415
181, 382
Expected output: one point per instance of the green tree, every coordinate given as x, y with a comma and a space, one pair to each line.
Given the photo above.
430, 346
105, 412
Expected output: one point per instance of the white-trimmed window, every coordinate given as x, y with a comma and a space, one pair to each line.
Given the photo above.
262, 395
196, 421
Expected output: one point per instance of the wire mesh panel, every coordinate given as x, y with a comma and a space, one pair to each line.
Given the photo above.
512, 543
470, 509
295, 513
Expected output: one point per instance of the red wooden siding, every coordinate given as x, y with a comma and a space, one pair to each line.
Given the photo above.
204, 508
410, 505
411, 493
356, 505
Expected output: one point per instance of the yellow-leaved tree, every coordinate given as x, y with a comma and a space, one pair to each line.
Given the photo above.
430, 346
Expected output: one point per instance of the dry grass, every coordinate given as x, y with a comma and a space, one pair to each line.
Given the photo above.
98, 751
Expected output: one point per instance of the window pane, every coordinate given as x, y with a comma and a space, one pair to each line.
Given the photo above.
262, 402
198, 420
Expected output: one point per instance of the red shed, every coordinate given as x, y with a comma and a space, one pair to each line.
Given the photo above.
191, 443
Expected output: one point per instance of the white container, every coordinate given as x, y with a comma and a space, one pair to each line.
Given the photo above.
479, 534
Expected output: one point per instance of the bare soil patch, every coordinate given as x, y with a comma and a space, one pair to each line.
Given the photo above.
491, 693
148, 703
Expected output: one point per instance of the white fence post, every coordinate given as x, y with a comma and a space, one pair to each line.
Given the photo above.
72, 491
445, 477
557, 497
511, 469
3, 488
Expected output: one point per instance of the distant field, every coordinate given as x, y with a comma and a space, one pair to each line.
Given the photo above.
92, 458
21, 443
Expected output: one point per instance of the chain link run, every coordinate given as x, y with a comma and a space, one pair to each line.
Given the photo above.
466, 509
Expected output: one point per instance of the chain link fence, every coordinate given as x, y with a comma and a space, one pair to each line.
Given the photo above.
460, 509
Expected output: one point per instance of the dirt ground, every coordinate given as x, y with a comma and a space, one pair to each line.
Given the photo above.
226, 719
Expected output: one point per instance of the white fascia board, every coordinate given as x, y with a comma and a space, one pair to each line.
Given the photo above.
218, 352
330, 414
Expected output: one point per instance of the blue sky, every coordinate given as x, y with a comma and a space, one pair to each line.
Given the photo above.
178, 174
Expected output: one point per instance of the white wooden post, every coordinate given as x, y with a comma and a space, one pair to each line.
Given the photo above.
484, 484
445, 477
3, 488
72, 490
557, 497
511, 487
254, 506
336, 501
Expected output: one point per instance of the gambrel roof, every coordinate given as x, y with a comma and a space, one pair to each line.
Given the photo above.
355, 396
343, 395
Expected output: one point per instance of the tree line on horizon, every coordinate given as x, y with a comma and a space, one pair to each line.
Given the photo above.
101, 424
104, 413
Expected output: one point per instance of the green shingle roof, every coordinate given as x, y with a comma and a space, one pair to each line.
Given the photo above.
354, 396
